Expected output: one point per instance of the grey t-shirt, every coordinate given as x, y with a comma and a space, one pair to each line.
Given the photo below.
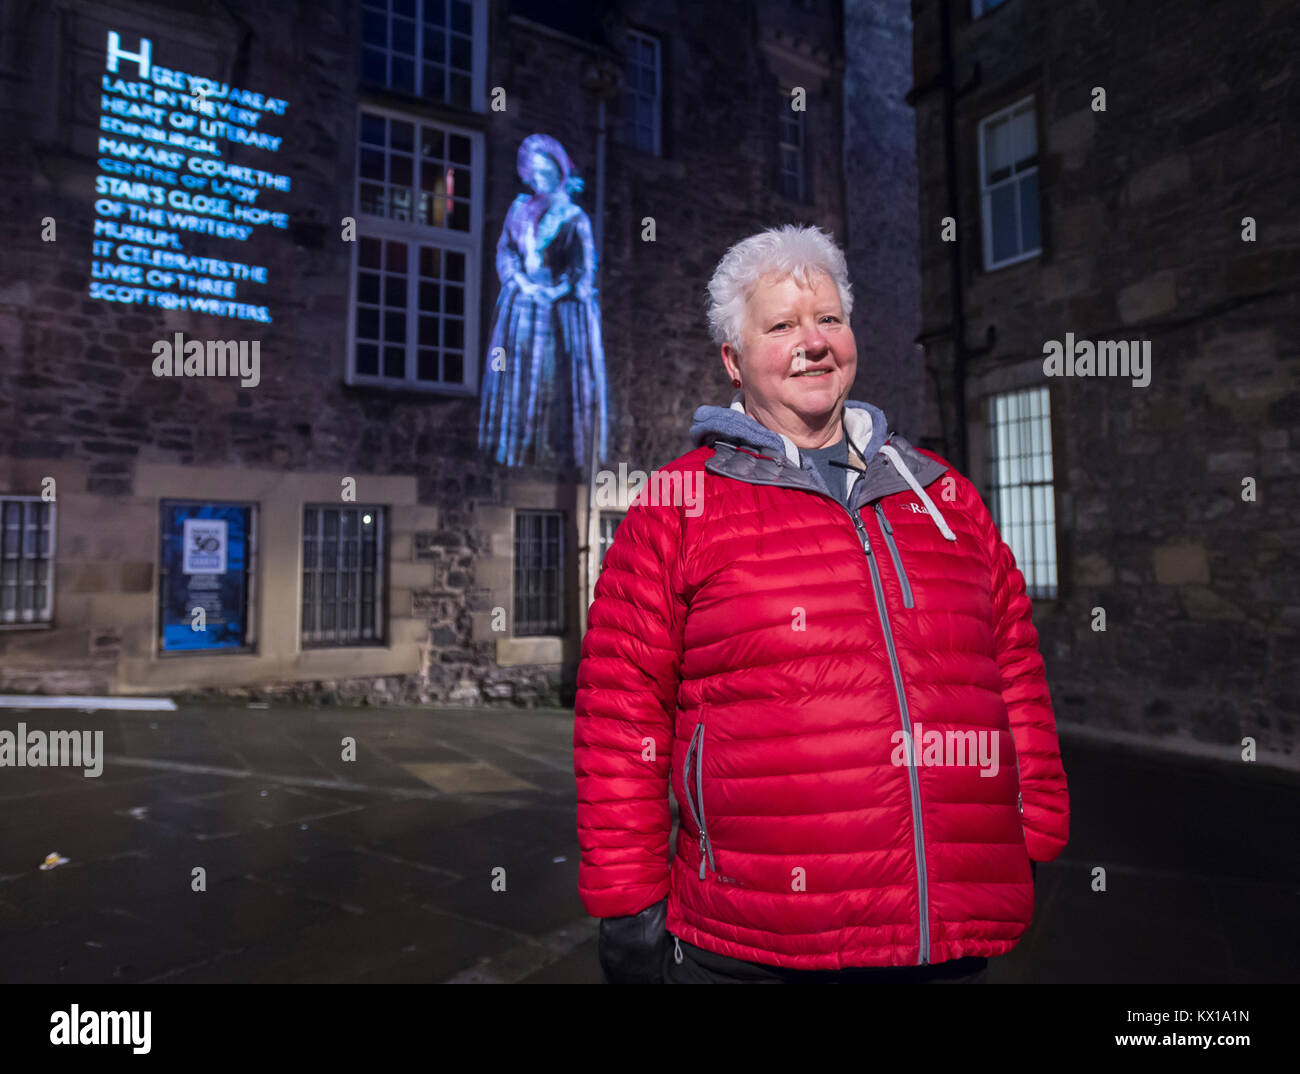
836, 477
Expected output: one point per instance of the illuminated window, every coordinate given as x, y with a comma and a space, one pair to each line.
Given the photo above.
642, 93
419, 188
791, 135
342, 575
423, 47
26, 560
539, 572
979, 7
1020, 428
1008, 149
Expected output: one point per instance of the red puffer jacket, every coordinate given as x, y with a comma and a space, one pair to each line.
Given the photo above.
779, 658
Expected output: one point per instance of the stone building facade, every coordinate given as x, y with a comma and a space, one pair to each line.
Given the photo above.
330, 526
1105, 174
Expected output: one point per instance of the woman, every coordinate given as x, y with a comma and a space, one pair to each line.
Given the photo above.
784, 657
544, 381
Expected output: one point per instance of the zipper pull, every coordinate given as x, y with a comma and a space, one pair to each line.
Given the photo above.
703, 854
677, 951
1020, 802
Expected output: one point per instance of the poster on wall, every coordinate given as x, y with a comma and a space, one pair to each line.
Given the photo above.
204, 576
204, 546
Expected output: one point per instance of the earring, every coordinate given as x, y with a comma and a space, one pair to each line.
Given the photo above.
735, 383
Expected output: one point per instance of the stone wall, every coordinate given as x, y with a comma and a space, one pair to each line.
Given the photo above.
76, 384
1142, 209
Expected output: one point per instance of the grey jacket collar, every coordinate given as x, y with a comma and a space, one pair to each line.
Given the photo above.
747, 451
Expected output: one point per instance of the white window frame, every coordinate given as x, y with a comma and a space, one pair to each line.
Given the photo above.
1025, 466
413, 234
44, 616
986, 218
478, 58
657, 101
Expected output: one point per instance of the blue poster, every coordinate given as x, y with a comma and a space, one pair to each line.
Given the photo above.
204, 575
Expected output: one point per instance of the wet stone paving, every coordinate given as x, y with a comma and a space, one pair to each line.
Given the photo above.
388, 868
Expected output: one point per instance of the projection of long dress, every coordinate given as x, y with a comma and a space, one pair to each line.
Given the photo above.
544, 375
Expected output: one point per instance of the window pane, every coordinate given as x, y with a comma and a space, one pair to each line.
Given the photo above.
1025, 137
461, 53
1002, 209
374, 28
403, 75
997, 150
404, 36
1030, 239
372, 164
373, 66
460, 90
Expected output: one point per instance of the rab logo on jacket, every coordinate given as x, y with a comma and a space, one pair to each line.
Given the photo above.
914, 507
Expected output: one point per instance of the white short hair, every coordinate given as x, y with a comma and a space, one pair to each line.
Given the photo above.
789, 251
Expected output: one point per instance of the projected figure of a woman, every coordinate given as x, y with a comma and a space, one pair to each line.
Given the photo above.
544, 377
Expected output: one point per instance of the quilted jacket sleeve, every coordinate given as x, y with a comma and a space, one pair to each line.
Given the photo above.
1046, 798
624, 714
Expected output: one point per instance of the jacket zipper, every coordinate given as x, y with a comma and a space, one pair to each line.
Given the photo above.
893, 552
918, 835
696, 805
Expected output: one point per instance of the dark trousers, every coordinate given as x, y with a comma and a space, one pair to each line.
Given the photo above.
697, 966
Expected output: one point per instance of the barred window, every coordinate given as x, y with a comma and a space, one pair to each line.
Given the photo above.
1008, 150
539, 570
26, 560
343, 558
1022, 484
642, 93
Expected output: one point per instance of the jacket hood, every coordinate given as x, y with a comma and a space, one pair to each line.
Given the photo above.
865, 424
889, 463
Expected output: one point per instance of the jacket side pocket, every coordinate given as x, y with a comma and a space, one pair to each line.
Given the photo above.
687, 776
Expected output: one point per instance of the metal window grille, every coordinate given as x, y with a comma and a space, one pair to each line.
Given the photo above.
642, 93
792, 151
539, 569
343, 575
26, 560
423, 47
1008, 151
1024, 506
609, 524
